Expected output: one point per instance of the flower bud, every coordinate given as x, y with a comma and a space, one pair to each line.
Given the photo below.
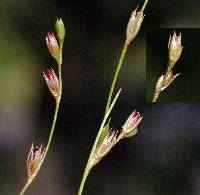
53, 46
130, 126
52, 83
134, 25
34, 161
175, 48
108, 142
60, 30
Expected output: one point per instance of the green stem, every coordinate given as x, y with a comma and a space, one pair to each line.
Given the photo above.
119, 67
144, 5
85, 175
170, 66
52, 130
108, 109
88, 165
52, 126
116, 76
157, 93
24, 188
56, 110
48, 145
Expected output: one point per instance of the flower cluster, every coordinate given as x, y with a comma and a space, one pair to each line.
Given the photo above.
175, 49
112, 138
37, 154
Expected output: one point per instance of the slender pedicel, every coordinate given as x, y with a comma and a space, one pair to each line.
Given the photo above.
37, 155
175, 49
132, 30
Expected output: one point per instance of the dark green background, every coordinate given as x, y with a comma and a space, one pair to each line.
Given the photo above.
163, 158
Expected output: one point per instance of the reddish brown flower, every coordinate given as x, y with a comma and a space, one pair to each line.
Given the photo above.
53, 46
34, 161
131, 124
52, 82
108, 142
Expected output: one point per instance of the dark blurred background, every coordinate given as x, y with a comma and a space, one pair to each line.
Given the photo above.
185, 86
163, 158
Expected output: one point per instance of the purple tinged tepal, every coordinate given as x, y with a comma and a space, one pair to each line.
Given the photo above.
52, 83
175, 48
108, 142
53, 46
163, 84
170, 77
130, 126
34, 161
134, 25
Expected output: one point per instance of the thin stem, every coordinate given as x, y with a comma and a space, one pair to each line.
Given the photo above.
48, 145
88, 165
155, 97
170, 66
108, 109
144, 5
85, 175
119, 67
52, 126
56, 111
107, 112
24, 188
116, 76
60, 71
157, 93
52, 131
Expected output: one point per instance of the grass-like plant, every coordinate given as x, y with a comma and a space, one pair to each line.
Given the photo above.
175, 48
106, 137
37, 154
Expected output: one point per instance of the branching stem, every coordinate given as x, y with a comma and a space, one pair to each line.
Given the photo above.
119, 65
108, 109
88, 165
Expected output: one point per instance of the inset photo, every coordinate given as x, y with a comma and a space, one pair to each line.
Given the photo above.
172, 64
